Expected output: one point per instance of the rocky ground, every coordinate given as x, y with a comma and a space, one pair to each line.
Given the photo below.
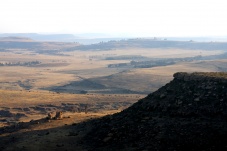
10, 116
189, 113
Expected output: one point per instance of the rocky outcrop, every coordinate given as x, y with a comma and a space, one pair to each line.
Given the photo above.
202, 76
58, 115
189, 113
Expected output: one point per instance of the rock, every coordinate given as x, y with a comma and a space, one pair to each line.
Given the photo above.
146, 118
58, 115
50, 116
208, 87
110, 134
60, 145
72, 134
107, 139
179, 102
196, 99
162, 96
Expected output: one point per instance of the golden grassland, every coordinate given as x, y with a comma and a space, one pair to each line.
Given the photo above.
14, 98
16, 101
60, 70
22, 86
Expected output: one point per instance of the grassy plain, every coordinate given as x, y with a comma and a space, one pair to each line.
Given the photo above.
29, 89
56, 70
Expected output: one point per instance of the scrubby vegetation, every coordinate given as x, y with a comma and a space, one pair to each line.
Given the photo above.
31, 63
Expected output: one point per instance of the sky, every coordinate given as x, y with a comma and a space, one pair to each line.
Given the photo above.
116, 17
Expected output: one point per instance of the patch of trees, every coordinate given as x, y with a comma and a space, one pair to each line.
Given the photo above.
153, 63
30, 63
127, 57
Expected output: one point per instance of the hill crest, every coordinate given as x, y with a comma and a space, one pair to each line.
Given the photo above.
189, 113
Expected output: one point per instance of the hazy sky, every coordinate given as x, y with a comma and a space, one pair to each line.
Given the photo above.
135, 17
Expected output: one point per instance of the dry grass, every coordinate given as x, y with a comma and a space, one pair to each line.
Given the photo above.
16, 101
11, 98
149, 52
60, 70
51, 135
150, 79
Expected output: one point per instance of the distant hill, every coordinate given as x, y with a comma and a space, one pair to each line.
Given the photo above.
25, 39
7, 43
42, 37
189, 113
152, 43
80, 38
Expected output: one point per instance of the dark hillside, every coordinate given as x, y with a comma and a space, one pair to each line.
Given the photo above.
189, 113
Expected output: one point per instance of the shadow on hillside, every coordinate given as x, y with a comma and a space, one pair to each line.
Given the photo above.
23, 137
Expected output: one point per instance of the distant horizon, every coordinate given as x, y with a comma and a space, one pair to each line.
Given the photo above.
109, 35
137, 18
93, 38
